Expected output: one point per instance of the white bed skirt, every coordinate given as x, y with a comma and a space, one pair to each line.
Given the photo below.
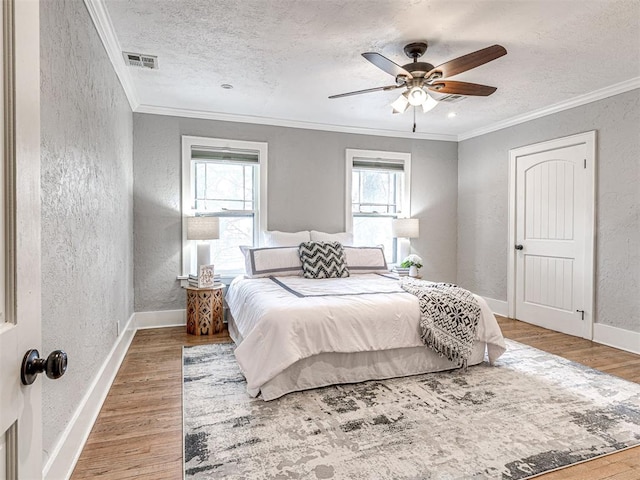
335, 368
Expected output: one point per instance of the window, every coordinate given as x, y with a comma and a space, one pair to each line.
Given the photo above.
377, 192
225, 179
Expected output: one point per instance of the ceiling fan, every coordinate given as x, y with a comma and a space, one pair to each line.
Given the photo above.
419, 77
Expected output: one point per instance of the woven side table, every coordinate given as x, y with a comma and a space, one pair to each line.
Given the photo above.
205, 310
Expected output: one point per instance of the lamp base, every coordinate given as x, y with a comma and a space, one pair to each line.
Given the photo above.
204, 255
404, 248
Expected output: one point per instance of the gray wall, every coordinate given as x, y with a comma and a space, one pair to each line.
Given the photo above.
87, 205
483, 203
306, 176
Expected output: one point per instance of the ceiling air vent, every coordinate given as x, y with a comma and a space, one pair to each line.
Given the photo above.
140, 60
451, 98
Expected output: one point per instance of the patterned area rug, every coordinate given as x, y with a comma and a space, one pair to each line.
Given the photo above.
532, 413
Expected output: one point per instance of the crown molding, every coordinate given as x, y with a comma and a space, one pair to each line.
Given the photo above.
606, 92
277, 122
596, 95
104, 27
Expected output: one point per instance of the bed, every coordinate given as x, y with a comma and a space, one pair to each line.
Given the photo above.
294, 333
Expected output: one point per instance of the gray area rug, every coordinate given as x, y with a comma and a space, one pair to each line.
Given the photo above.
532, 413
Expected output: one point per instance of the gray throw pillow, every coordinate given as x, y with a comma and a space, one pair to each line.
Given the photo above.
323, 260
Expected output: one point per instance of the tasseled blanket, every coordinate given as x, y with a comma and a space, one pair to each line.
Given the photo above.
448, 318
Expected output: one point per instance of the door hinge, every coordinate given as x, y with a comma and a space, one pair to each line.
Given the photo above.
585, 163
581, 312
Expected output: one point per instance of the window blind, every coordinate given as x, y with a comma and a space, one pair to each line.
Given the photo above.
226, 155
384, 164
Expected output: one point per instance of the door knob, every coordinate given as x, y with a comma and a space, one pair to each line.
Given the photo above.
54, 365
519, 247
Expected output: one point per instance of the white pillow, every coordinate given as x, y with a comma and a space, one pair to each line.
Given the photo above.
285, 239
276, 261
344, 238
365, 259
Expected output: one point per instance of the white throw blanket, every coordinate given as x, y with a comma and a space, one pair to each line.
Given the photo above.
281, 322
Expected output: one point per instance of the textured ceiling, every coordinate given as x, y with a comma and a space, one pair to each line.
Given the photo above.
285, 57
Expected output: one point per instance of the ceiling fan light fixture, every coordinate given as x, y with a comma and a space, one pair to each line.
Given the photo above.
417, 96
401, 104
429, 104
419, 79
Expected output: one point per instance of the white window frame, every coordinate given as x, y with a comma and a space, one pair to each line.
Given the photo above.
188, 145
377, 155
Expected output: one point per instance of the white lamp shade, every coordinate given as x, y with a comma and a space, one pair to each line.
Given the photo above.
405, 228
203, 228
429, 104
401, 104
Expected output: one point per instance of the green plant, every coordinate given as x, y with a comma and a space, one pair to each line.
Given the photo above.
412, 261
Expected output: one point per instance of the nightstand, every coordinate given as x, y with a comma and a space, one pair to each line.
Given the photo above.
205, 310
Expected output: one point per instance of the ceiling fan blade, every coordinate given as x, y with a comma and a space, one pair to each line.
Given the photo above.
461, 88
469, 61
358, 92
383, 63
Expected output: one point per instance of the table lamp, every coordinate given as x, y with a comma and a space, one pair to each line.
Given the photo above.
203, 229
404, 229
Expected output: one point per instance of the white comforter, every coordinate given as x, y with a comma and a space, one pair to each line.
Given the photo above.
286, 319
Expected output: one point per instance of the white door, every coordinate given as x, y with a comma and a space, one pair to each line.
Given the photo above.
553, 240
20, 406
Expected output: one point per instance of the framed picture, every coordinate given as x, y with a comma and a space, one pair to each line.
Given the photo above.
205, 276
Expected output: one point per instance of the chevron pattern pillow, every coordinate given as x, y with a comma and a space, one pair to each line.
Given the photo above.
323, 260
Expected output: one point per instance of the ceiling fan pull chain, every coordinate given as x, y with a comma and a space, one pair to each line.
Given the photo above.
414, 119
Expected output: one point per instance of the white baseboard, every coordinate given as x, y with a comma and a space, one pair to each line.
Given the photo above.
165, 318
66, 452
499, 307
617, 337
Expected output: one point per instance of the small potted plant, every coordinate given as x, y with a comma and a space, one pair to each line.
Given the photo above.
413, 262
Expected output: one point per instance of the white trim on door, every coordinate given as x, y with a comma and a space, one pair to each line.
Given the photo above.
589, 140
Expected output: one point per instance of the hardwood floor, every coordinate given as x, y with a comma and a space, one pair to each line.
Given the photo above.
138, 434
